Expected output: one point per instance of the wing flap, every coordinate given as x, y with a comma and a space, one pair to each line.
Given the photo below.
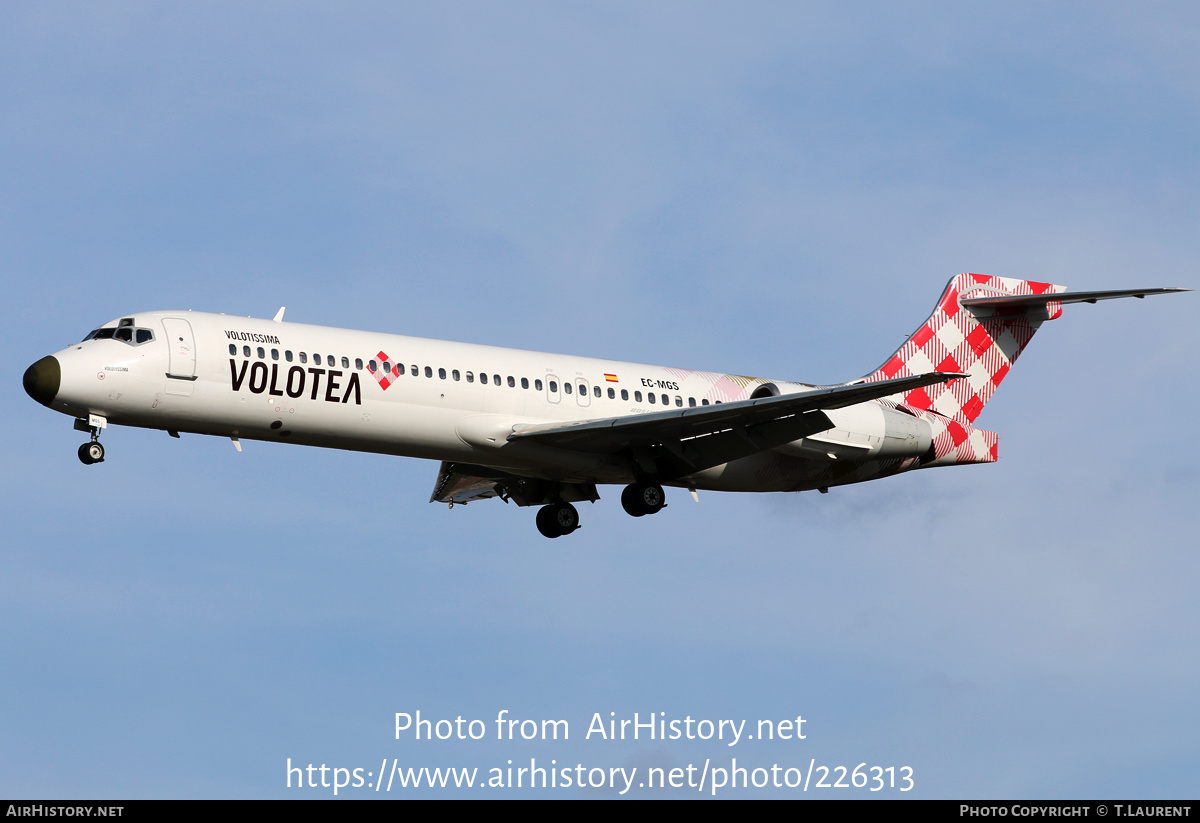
465, 483
457, 483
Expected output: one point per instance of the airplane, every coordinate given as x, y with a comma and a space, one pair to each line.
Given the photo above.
546, 429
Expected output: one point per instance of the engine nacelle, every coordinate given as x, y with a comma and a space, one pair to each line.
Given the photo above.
866, 431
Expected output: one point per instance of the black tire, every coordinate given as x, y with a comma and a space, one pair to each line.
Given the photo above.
630, 501
90, 453
640, 499
546, 523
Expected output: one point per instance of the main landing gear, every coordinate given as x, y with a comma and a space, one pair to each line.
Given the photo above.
638, 499
643, 498
557, 519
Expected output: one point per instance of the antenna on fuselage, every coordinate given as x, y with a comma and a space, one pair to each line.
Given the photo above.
279, 314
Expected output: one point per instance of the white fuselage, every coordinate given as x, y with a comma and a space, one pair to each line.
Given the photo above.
259, 379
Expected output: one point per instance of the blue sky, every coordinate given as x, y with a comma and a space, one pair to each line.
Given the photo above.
770, 189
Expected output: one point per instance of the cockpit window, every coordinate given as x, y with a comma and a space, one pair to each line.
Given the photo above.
126, 333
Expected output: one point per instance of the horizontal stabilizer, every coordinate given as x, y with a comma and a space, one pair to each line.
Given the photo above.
1023, 302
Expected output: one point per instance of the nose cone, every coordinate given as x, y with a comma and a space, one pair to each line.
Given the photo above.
42, 380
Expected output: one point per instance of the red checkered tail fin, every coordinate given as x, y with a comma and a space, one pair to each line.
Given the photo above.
971, 331
979, 327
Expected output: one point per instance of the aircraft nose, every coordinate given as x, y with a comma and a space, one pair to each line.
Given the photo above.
42, 380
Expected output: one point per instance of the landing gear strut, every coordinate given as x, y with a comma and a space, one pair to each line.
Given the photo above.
557, 519
643, 498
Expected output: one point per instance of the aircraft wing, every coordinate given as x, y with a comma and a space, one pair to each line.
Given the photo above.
682, 441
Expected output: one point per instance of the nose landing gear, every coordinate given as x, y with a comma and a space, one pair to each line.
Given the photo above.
91, 452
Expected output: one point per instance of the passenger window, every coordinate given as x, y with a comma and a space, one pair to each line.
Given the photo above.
692, 402
703, 402
442, 374
262, 355
567, 388
245, 351
650, 397
144, 336
537, 384
357, 363
637, 396
496, 379
345, 362
624, 394
483, 377
274, 354
454, 374
429, 371
415, 371
612, 393
287, 355
512, 384
470, 377
232, 349
524, 382
596, 390
678, 400
372, 365
553, 386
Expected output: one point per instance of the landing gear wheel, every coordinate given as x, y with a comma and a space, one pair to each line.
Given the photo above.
90, 453
566, 517
643, 498
557, 519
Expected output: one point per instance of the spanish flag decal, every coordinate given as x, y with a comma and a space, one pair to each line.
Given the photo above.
611, 378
